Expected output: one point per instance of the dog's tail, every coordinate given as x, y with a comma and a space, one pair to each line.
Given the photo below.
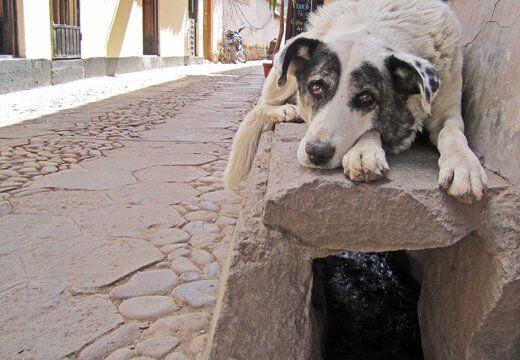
244, 149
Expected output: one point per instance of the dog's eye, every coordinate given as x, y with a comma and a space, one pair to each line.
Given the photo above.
365, 98
316, 88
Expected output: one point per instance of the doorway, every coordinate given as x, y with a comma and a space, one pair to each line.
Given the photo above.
8, 43
150, 28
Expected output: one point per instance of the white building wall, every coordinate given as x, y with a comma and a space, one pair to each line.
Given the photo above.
34, 29
173, 27
111, 28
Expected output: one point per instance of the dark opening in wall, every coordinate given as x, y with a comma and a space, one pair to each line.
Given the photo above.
366, 307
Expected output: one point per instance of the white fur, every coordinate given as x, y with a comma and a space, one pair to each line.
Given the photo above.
360, 30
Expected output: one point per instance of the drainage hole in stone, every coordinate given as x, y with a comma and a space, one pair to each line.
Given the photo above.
366, 307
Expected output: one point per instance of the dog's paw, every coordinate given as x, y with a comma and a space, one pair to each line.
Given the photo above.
365, 163
289, 113
462, 176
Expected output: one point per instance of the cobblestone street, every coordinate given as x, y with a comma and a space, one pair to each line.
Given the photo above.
114, 223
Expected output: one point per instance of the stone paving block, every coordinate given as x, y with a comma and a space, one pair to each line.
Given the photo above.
157, 346
197, 293
193, 148
183, 159
150, 282
122, 354
12, 271
123, 162
193, 135
43, 321
169, 236
153, 193
200, 227
188, 322
176, 356
124, 336
89, 261
165, 174
133, 221
181, 265
147, 308
222, 196
85, 180
60, 202
23, 232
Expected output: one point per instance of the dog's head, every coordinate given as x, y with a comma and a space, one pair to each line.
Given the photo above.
347, 88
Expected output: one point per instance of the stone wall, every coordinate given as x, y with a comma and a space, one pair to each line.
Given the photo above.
490, 31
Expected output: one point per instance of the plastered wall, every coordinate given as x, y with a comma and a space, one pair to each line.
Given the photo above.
34, 29
173, 27
111, 28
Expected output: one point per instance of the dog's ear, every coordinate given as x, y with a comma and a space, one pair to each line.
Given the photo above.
298, 51
413, 75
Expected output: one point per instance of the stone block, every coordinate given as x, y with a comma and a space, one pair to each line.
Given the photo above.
468, 255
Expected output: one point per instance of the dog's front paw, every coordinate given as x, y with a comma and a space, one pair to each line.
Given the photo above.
289, 113
363, 163
462, 176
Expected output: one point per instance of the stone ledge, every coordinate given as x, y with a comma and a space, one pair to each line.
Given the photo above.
406, 211
469, 299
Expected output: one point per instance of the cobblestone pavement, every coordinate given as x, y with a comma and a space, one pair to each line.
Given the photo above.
33, 103
114, 223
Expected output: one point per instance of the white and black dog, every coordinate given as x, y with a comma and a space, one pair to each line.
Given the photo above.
368, 75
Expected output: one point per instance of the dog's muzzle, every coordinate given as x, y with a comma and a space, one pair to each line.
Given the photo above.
319, 152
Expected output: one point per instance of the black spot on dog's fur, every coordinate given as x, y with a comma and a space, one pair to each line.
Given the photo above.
427, 94
324, 69
434, 84
390, 116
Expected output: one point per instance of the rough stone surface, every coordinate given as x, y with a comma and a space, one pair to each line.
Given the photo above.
157, 346
468, 265
124, 336
85, 180
5, 208
147, 307
60, 202
53, 315
23, 232
491, 54
192, 322
96, 209
176, 356
201, 257
366, 217
169, 236
181, 265
200, 228
197, 293
175, 174
150, 282
122, 354
153, 193
131, 220
102, 260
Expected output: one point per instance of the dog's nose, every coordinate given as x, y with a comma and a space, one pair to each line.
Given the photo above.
319, 152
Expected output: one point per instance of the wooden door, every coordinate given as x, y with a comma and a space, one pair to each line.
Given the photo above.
8, 43
150, 28
208, 53
66, 30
